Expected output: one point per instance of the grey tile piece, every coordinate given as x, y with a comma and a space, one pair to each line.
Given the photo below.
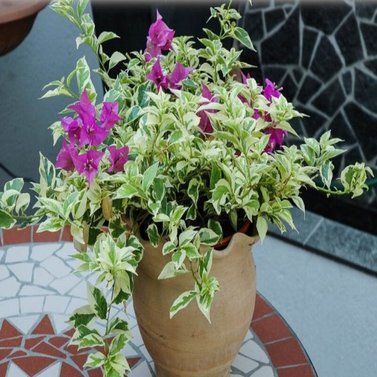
141, 370
265, 371
31, 305
60, 323
79, 290
15, 371
22, 271
75, 304
17, 254
64, 284
245, 364
56, 266
344, 242
2, 252
40, 252
145, 352
31, 290
25, 323
305, 224
42, 277
254, 351
9, 308
136, 337
56, 304
9, 287
66, 250
4, 273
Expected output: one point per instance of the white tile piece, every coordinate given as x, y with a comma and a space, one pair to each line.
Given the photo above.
60, 323
264, 372
17, 254
9, 308
1, 250
141, 370
56, 304
56, 267
9, 287
4, 273
244, 364
63, 285
25, 323
79, 290
15, 371
32, 290
42, 277
136, 337
51, 371
31, 304
74, 263
145, 352
66, 251
249, 335
23, 271
254, 351
75, 304
40, 252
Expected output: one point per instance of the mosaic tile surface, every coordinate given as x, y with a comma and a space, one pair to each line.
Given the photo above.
325, 58
38, 292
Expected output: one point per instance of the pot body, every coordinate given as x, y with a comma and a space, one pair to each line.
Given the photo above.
188, 345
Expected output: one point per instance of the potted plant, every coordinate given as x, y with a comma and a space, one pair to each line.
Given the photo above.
184, 150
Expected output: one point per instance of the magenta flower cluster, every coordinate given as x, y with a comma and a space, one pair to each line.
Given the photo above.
84, 133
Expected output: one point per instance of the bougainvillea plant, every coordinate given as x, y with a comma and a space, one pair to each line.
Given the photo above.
185, 146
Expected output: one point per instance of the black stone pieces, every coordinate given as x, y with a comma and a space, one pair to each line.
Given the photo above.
289, 88
365, 10
254, 26
275, 74
349, 42
297, 75
308, 89
273, 18
326, 62
324, 17
365, 128
309, 40
369, 32
347, 82
283, 46
314, 123
372, 65
339, 128
330, 99
365, 90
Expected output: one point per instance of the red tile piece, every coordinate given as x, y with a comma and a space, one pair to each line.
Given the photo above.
46, 349
95, 373
298, 371
71, 349
31, 342
262, 308
8, 330
32, 365
3, 369
70, 333
45, 236
271, 328
17, 354
11, 342
16, 235
68, 371
58, 341
80, 360
4, 353
286, 352
132, 361
66, 234
44, 327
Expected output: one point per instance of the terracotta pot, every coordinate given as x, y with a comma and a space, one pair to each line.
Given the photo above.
16, 20
188, 345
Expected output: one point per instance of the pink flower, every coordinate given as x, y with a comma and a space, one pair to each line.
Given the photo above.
72, 127
276, 138
87, 164
92, 134
118, 157
66, 157
84, 108
160, 38
205, 124
179, 74
109, 115
157, 76
270, 90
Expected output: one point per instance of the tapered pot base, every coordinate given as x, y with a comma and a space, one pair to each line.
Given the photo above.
162, 372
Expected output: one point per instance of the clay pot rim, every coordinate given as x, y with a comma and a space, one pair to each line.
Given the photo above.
20, 9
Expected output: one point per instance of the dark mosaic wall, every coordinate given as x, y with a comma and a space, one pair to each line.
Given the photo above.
325, 58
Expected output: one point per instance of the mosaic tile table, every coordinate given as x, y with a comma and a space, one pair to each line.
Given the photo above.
38, 292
